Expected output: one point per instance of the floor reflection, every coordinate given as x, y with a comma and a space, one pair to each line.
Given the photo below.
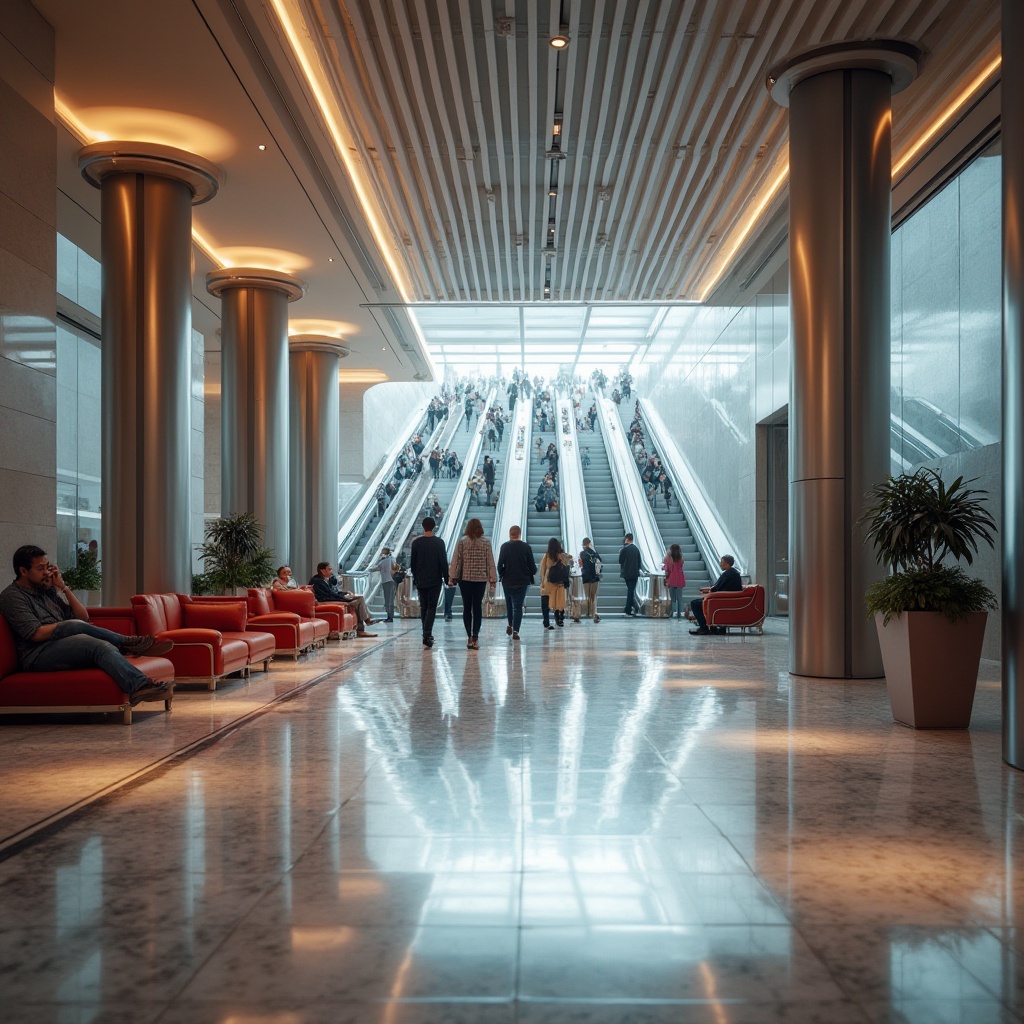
601, 825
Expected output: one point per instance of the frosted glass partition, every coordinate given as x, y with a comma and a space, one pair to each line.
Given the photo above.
364, 509
712, 539
636, 512
572, 505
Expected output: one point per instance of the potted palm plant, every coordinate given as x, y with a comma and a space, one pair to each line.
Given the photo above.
234, 555
930, 614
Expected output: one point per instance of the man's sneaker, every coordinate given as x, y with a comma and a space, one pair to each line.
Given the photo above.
136, 646
154, 689
597, 619
515, 635
508, 631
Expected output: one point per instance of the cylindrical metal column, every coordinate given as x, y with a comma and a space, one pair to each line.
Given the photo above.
148, 194
839, 243
1013, 385
314, 415
254, 397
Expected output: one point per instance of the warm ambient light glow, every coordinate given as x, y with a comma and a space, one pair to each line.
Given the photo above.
559, 42
300, 41
362, 377
163, 127
256, 256
315, 940
339, 329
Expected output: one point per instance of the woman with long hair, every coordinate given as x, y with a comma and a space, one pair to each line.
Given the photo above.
472, 567
675, 579
553, 591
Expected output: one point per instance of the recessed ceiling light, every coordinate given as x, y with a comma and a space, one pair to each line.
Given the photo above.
559, 42
261, 147
552, 191
330, 259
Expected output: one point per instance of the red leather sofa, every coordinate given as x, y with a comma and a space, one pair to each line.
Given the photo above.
301, 603
742, 609
74, 690
200, 654
231, 618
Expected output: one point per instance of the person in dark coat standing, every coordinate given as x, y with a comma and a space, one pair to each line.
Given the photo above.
516, 570
630, 567
730, 579
428, 563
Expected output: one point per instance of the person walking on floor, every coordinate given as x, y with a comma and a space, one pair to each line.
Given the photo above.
554, 582
472, 567
675, 579
590, 566
516, 570
428, 563
386, 566
630, 567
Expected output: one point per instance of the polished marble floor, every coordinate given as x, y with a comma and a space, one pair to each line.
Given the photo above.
620, 823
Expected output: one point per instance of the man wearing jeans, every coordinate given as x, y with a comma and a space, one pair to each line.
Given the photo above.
516, 570
428, 563
52, 632
630, 567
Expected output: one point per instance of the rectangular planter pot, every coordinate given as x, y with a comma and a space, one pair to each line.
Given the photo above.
931, 667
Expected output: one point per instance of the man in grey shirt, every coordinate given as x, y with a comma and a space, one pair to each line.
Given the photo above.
52, 633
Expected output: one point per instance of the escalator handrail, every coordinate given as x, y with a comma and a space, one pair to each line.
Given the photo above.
637, 516
352, 528
515, 481
451, 525
418, 487
572, 502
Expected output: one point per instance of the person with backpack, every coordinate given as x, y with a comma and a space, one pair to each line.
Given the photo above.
590, 564
554, 583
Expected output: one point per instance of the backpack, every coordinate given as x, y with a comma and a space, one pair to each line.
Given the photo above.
558, 573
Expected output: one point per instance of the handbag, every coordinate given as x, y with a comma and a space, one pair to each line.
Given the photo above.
398, 576
558, 573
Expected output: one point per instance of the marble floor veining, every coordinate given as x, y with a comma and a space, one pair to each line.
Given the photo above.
621, 823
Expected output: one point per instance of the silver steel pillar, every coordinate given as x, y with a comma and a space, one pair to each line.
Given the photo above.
314, 415
839, 243
1013, 384
254, 396
148, 195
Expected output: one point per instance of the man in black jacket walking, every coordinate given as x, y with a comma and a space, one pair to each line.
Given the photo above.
428, 563
516, 570
730, 579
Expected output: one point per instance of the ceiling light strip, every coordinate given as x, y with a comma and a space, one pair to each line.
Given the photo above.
955, 106
302, 48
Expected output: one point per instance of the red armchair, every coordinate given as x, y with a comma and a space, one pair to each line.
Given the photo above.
742, 609
303, 604
230, 618
74, 690
292, 635
200, 654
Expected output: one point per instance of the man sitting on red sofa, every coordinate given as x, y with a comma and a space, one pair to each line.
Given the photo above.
52, 632
323, 591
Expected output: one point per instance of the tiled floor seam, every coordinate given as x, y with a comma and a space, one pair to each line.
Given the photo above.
14, 844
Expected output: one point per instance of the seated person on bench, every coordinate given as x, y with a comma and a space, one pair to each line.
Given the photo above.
325, 592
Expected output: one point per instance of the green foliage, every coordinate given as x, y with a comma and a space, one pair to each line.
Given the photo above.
85, 575
234, 554
201, 584
914, 522
945, 589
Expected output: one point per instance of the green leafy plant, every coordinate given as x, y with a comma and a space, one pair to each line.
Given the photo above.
201, 584
234, 554
915, 522
85, 574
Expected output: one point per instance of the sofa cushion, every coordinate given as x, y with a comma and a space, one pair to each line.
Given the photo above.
259, 601
226, 617
155, 613
301, 602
